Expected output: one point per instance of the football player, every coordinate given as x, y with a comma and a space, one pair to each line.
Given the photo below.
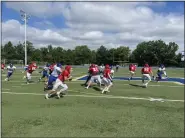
95, 76
60, 83
45, 73
31, 68
160, 72
89, 76
132, 69
10, 69
2, 67
107, 80
54, 75
146, 71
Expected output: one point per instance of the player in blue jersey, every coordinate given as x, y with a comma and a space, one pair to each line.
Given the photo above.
10, 69
45, 73
52, 78
160, 72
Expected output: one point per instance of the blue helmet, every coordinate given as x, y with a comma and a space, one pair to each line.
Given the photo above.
59, 65
161, 65
47, 65
11, 65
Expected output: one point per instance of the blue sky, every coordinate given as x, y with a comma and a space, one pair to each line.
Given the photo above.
59, 21
93, 23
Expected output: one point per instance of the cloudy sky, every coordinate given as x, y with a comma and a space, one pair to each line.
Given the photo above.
111, 24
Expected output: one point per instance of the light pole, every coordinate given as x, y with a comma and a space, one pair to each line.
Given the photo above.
25, 17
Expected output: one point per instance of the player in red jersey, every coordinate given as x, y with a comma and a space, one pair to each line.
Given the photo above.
32, 67
132, 69
64, 76
94, 71
107, 80
2, 67
146, 71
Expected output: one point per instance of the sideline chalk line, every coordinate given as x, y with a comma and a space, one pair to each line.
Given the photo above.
108, 96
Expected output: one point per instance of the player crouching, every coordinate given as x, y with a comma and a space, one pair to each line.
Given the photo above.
132, 69
160, 72
107, 80
146, 71
59, 84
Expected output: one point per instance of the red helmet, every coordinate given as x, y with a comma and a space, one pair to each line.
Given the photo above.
146, 65
92, 65
68, 68
107, 66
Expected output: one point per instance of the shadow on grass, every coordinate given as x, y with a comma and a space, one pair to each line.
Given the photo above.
96, 88
136, 85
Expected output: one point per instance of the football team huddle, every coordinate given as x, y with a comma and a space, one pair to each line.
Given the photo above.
55, 76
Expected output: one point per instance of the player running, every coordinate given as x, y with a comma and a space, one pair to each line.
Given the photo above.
160, 72
107, 80
95, 76
57, 69
101, 69
10, 69
51, 68
45, 73
31, 68
89, 76
132, 69
25, 69
64, 76
146, 71
117, 68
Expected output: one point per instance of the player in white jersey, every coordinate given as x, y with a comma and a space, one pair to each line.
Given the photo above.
10, 69
54, 75
101, 69
25, 69
160, 72
112, 72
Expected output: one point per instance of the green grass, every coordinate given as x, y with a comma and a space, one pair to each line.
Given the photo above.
74, 116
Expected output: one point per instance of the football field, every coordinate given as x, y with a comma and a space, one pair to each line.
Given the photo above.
127, 111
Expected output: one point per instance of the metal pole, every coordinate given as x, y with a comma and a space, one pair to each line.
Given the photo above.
25, 20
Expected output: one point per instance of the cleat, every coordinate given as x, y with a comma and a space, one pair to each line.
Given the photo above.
46, 96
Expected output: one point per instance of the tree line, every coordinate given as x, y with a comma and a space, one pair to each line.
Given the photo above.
153, 52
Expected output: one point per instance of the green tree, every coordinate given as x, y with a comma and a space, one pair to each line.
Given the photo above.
82, 55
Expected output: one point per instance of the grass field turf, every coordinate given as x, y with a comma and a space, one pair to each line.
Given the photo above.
87, 113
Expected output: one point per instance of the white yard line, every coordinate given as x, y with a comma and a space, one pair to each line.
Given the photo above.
5, 89
109, 97
179, 85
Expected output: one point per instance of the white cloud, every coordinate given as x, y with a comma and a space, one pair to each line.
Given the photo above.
97, 23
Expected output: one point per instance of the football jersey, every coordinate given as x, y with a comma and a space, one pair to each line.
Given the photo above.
31, 68
132, 68
106, 73
94, 71
56, 71
11, 69
146, 70
64, 74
